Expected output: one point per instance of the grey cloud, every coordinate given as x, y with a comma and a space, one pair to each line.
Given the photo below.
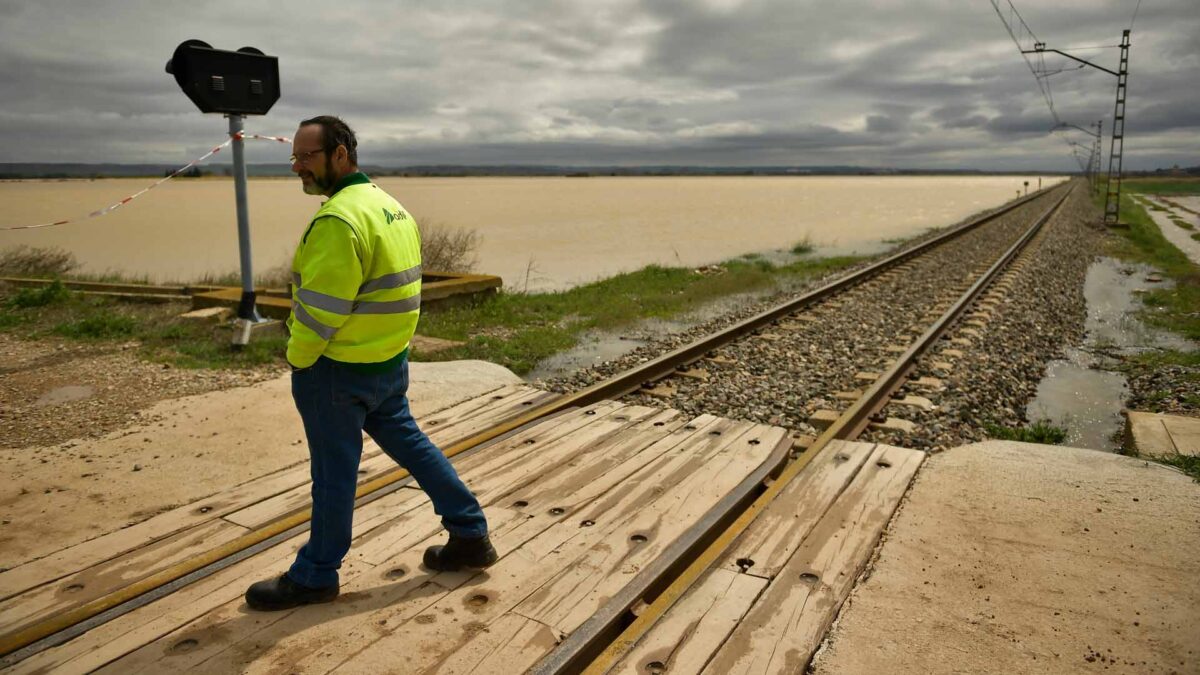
952, 111
969, 122
1181, 114
921, 83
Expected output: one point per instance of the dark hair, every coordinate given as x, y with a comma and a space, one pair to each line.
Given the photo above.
335, 133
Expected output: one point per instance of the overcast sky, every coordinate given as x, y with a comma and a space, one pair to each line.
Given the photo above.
914, 83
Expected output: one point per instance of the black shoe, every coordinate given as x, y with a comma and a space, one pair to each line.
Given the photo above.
459, 553
283, 593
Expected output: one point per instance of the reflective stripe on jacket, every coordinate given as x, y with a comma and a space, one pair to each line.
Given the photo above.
356, 280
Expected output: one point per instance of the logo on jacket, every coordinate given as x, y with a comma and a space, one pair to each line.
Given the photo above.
399, 215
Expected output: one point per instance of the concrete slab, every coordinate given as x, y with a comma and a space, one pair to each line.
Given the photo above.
1159, 435
1020, 558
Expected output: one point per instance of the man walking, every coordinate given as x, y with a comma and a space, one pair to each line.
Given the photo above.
356, 280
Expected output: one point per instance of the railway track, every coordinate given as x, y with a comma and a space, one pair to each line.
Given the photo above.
581, 652
672, 377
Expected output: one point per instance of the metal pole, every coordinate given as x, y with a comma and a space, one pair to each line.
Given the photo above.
1112, 200
247, 312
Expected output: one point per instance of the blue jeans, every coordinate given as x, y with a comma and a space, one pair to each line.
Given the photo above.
337, 404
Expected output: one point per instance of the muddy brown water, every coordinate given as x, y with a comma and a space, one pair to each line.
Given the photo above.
537, 233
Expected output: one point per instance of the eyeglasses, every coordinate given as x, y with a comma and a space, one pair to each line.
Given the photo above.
303, 157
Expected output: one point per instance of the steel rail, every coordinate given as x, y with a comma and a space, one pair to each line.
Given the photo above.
618, 385
599, 643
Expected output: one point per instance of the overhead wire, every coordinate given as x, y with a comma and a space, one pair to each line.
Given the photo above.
1134, 17
1027, 44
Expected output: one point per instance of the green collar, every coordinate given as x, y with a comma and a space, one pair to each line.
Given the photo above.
355, 178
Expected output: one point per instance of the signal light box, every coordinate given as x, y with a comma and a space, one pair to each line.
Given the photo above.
242, 82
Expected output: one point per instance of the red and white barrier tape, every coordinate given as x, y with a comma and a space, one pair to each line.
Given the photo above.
281, 139
123, 202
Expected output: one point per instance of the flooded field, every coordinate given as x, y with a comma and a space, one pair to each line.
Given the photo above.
537, 233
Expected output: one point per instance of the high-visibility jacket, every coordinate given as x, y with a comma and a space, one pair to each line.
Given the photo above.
356, 279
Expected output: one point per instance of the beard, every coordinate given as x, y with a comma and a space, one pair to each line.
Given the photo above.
320, 185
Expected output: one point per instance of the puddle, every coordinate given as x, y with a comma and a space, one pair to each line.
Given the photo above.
1078, 393
593, 349
1111, 290
1085, 401
599, 346
782, 256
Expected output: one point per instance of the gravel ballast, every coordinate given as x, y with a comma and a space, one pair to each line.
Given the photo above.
787, 372
1042, 311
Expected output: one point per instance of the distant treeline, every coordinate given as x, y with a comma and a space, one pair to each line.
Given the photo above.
16, 170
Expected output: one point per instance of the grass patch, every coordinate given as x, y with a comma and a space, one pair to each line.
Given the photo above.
1162, 186
10, 319
517, 330
98, 327
803, 246
26, 298
1167, 357
208, 347
1173, 309
1041, 431
1185, 463
163, 337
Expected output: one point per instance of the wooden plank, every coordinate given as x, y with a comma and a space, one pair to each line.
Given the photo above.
115, 638
581, 589
293, 638
496, 473
231, 639
684, 640
109, 546
501, 641
475, 416
779, 530
474, 405
785, 626
540, 450
569, 599
426, 636
308, 641
608, 463
42, 602
645, 512
492, 411
681, 643
510, 541
453, 424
